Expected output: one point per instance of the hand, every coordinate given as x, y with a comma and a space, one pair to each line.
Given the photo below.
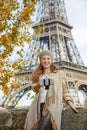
73, 107
36, 87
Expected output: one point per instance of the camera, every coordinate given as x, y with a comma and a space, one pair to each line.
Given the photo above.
46, 81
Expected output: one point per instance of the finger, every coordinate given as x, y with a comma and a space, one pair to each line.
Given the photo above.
76, 110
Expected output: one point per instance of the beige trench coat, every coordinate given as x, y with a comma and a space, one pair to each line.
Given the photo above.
59, 92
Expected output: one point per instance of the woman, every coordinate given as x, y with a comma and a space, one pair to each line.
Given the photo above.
46, 108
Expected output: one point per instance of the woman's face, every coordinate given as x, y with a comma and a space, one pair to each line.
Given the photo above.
46, 61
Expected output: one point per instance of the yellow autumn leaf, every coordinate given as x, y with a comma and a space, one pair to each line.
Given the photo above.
12, 26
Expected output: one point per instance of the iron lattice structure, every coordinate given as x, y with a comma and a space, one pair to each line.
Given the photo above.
57, 37
50, 10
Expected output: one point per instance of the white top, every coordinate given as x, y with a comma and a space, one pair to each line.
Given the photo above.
45, 80
43, 93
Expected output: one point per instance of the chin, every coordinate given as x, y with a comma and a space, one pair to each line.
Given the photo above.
46, 67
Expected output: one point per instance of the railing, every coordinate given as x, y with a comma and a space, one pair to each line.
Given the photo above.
70, 64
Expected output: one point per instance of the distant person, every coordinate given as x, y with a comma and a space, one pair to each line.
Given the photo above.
49, 83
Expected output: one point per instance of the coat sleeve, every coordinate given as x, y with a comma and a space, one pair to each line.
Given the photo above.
66, 95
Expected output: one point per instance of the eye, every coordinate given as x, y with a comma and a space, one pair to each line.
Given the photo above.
48, 58
43, 58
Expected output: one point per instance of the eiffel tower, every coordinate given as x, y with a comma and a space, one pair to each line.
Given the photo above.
56, 37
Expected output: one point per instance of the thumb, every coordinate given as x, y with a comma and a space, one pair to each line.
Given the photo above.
75, 110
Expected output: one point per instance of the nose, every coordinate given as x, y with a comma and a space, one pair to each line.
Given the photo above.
46, 59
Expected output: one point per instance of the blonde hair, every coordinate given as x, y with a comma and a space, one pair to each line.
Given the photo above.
40, 71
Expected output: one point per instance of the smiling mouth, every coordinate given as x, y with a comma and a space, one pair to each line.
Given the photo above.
46, 64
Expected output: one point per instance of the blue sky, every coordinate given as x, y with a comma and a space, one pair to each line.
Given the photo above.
77, 17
